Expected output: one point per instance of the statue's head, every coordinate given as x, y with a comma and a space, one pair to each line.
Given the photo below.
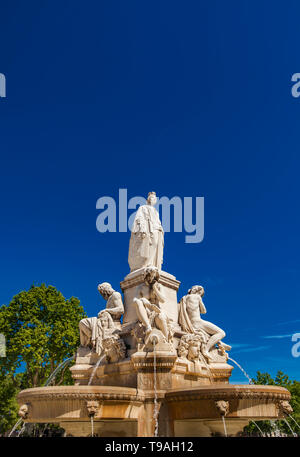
152, 199
194, 350
105, 290
105, 319
285, 407
24, 411
222, 406
190, 346
197, 290
115, 349
92, 407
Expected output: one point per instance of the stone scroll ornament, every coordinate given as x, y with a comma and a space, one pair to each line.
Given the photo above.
101, 333
190, 310
149, 313
147, 237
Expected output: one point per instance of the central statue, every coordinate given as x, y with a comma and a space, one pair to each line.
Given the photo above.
147, 237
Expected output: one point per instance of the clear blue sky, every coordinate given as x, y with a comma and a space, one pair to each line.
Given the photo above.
184, 98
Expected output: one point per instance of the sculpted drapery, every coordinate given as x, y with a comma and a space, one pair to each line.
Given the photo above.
147, 237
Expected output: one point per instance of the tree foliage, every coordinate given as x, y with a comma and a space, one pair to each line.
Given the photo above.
41, 330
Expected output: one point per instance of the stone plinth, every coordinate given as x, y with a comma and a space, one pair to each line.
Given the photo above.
169, 286
137, 371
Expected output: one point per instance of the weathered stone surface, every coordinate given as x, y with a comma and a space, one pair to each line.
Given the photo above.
183, 412
169, 287
163, 353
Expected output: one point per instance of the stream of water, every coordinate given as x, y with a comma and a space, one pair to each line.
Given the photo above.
95, 369
224, 425
15, 426
291, 430
58, 369
242, 369
260, 430
155, 412
291, 417
273, 423
47, 383
92, 425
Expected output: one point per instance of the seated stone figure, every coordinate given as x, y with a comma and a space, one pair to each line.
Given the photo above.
114, 303
93, 329
147, 305
191, 308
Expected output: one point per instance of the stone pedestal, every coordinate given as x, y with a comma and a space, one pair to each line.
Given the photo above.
169, 287
137, 371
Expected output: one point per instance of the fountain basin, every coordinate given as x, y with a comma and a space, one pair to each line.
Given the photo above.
121, 411
198, 411
116, 409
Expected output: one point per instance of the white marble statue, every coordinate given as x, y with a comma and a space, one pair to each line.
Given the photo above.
114, 303
190, 346
191, 308
147, 237
93, 330
147, 305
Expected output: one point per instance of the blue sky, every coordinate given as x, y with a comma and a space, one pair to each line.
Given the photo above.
188, 99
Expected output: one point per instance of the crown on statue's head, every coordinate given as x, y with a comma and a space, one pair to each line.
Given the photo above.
151, 193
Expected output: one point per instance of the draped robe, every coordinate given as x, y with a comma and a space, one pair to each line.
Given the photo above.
147, 251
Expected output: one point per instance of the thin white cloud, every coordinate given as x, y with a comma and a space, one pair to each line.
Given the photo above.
277, 336
239, 345
252, 349
287, 322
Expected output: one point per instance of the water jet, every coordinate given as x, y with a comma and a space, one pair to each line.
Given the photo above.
162, 371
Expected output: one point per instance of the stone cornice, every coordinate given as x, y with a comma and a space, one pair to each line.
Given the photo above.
229, 392
165, 279
100, 393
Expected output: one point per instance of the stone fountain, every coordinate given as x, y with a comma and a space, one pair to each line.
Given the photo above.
161, 370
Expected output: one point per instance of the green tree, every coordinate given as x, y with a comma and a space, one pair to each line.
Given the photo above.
281, 379
8, 403
41, 330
